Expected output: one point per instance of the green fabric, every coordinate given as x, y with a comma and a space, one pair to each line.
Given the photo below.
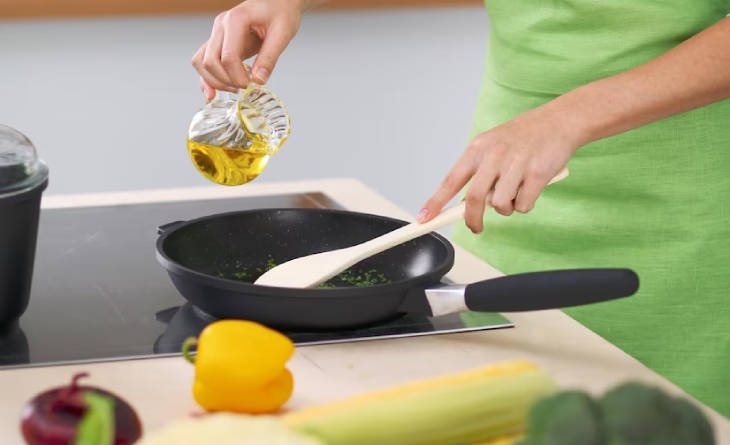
654, 199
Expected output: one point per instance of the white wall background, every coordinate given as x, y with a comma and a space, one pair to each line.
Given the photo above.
383, 96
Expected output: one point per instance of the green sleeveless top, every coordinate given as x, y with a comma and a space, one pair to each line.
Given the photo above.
654, 199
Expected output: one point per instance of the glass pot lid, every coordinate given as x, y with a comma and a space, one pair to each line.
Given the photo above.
20, 167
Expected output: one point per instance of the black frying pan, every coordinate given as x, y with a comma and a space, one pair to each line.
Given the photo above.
213, 261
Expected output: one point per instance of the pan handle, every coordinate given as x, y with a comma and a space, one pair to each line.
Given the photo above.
534, 291
166, 227
555, 289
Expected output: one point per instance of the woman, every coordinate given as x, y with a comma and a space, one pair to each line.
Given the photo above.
632, 95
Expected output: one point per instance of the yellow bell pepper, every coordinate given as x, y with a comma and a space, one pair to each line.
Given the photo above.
240, 366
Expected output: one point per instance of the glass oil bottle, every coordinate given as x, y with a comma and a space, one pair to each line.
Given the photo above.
232, 138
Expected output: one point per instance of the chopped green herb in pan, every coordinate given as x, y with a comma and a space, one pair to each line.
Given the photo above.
357, 278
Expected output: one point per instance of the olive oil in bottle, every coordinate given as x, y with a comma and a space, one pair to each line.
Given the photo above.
227, 166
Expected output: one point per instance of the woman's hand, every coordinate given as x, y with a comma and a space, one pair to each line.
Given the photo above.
521, 156
527, 152
263, 27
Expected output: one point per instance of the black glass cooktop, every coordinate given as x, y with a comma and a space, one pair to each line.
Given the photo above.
99, 293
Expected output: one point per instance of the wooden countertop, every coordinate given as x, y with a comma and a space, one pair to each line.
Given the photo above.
56, 9
159, 388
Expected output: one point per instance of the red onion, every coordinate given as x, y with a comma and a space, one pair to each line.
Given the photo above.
52, 417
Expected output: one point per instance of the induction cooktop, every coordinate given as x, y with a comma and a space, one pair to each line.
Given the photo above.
100, 295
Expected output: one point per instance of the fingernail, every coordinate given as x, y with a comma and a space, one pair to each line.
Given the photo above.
261, 74
422, 215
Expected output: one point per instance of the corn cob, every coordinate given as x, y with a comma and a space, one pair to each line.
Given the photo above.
510, 439
462, 408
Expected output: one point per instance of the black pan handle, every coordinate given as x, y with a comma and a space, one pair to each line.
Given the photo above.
555, 289
166, 227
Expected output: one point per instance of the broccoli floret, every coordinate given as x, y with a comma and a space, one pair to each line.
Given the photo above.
636, 414
566, 418
629, 414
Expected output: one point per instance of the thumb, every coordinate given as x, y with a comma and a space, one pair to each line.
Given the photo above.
276, 41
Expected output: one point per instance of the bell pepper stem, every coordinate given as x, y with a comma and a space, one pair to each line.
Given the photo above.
187, 344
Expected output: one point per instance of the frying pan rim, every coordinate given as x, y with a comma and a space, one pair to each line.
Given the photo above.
339, 292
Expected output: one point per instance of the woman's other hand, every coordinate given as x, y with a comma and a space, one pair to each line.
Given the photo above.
263, 27
520, 157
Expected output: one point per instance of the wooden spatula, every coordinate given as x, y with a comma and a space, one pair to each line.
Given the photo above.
311, 270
